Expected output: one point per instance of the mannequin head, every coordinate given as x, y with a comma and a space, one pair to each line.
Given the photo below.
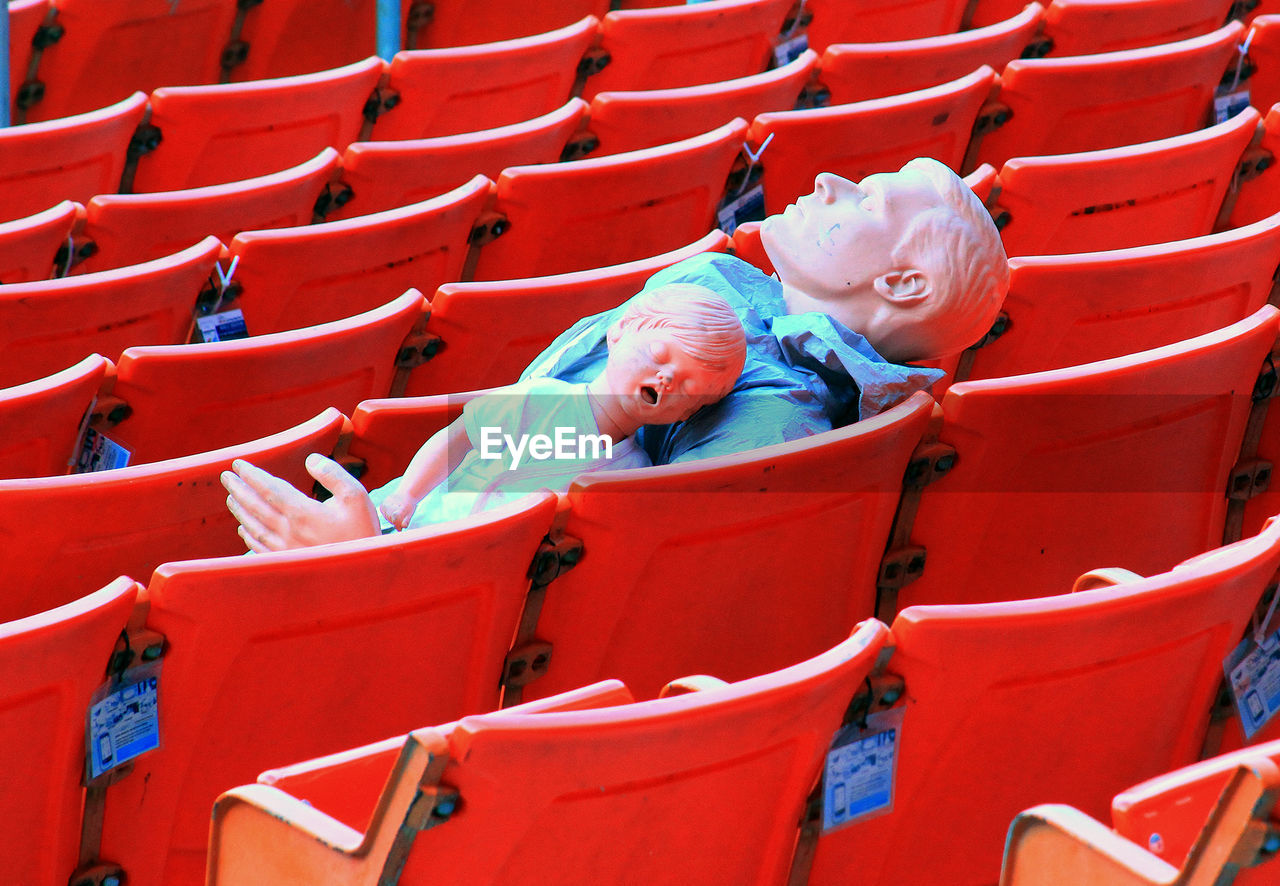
909, 259
674, 350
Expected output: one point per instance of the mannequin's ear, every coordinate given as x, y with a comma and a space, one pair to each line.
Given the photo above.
612, 334
904, 288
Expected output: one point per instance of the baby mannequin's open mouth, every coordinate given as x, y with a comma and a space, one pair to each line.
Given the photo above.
649, 394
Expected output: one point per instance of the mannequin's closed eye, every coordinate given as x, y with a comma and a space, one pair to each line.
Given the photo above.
659, 351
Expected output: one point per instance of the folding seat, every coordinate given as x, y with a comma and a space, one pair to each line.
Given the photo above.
302, 36
685, 45
210, 135
465, 22
1258, 195
41, 421
183, 399
1264, 52
286, 656
1070, 697
388, 431
485, 332
386, 174
66, 533
52, 664
1170, 189
838, 21
469, 88
857, 139
129, 228
1082, 27
564, 217
294, 277
99, 53
782, 544
855, 72
1123, 462
48, 324
1064, 310
629, 121
26, 17
1063, 105
29, 246
644, 789
69, 159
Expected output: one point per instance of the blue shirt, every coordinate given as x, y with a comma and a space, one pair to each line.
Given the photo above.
804, 373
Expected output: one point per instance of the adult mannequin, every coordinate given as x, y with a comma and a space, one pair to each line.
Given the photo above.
910, 260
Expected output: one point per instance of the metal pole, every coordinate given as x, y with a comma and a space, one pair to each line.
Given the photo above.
4, 66
388, 28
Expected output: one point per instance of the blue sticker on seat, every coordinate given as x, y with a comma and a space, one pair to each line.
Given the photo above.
124, 719
861, 766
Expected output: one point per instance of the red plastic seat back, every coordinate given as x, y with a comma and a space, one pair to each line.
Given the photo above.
108, 50
128, 228
1156, 192
858, 139
41, 421
387, 432
994, 691
685, 45
29, 246
839, 21
489, 331
296, 277
223, 133
1065, 310
1264, 52
629, 121
49, 324
469, 88
288, 37
68, 159
52, 663
467, 22
287, 656
590, 213
1081, 27
783, 545
1123, 462
855, 72
190, 398
129, 521
386, 174
1061, 105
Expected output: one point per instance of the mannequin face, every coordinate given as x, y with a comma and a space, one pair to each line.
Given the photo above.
653, 380
832, 246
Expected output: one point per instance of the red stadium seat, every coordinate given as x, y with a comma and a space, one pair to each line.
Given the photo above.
855, 72
25, 19
1063, 105
69, 159
1264, 51
52, 664
466, 22
488, 331
1082, 27
1070, 309
1259, 195
388, 431
1155, 192
1110, 685
303, 36
386, 174
839, 21
107, 51
41, 421
49, 324
686, 45
129, 228
783, 544
630, 121
184, 399
395, 631
210, 135
295, 277
667, 779
1122, 462
128, 521
590, 213
469, 88
879, 135
29, 246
